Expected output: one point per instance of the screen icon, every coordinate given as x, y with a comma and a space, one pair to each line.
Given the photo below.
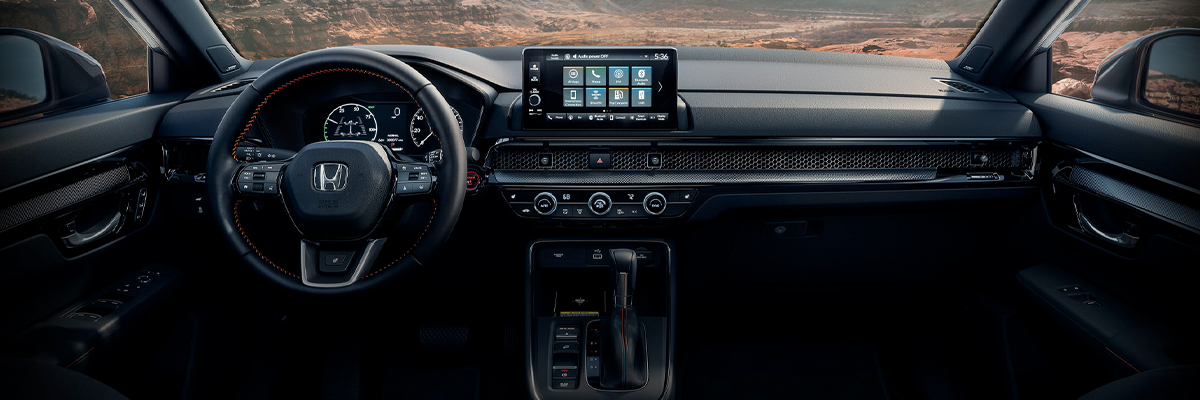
572, 76
641, 97
642, 76
573, 97
618, 97
596, 76
618, 76
596, 97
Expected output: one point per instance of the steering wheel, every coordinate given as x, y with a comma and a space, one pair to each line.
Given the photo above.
342, 196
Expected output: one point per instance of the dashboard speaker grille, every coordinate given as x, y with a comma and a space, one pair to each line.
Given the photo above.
821, 158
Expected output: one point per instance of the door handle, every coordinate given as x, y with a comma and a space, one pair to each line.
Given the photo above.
95, 233
1123, 239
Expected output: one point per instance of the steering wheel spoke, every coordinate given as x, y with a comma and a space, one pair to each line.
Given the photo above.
333, 264
259, 180
337, 194
414, 180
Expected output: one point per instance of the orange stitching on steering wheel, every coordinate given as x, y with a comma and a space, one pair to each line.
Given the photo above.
410, 249
238, 221
250, 123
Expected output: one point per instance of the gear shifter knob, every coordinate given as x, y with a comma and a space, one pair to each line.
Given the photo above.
623, 363
624, 275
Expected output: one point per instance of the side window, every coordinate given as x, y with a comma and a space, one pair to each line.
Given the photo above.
95, 27
1102, 27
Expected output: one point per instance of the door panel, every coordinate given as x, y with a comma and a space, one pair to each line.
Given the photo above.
78, 192
40, 147
1154, 146
1119, 190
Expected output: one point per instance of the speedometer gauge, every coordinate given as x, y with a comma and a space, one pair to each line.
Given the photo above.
351, 121
418, 128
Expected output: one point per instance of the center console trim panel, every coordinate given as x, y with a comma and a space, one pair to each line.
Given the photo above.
531, 328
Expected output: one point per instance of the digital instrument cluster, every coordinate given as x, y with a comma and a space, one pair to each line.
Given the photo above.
399, 126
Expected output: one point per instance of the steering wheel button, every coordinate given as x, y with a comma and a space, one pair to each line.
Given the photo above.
271, 188
245, 187
335, 262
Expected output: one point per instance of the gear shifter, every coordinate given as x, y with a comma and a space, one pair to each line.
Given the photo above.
623, 361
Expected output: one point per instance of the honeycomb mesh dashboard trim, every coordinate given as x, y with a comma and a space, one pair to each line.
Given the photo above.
762, 158
594, 177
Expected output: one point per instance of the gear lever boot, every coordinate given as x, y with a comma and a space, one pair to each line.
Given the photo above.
623, 358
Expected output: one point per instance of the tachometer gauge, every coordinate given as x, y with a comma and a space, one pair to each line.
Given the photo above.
418, 128
351, 122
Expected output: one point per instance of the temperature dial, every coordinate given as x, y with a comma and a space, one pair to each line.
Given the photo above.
654, 203
545, 203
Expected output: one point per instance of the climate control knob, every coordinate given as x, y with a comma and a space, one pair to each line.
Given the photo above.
654, 203
545, 203
600, 203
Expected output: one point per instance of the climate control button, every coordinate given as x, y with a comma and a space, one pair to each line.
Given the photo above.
545, 203
654, 203
600, 203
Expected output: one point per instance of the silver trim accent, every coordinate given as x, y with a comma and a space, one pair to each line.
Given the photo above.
592, 198
659, 177
553, 201
1113, 189
79, 239
1123, 239
324, 182
369, 253
646, 207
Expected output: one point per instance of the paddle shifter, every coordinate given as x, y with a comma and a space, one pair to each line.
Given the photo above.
623, 362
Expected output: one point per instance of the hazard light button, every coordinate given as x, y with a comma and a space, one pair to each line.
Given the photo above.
599, 160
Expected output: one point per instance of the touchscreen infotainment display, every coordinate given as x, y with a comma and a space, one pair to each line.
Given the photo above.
600, 88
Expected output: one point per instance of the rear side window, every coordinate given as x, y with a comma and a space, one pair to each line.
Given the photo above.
1102, 27
93, 26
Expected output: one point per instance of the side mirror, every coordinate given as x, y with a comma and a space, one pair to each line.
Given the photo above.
1157, 73
41, 74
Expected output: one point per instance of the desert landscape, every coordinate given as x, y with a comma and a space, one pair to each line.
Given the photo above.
93, 26
1173, 92
1104, 26
912, 28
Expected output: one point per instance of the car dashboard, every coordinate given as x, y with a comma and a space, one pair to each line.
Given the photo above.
732, 142
748, 158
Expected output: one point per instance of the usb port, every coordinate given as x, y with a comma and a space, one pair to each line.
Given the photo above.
984, 176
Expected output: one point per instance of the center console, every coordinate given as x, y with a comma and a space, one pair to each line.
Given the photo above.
600, 315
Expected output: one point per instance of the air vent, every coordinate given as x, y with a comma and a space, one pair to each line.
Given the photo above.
231, 85
963, 86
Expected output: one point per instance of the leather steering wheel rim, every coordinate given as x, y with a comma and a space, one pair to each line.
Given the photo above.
448, 194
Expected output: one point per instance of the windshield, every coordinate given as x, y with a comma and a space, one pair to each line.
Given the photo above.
911, 28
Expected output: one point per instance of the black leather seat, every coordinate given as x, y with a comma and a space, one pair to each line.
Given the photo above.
27, 379
1169, 383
